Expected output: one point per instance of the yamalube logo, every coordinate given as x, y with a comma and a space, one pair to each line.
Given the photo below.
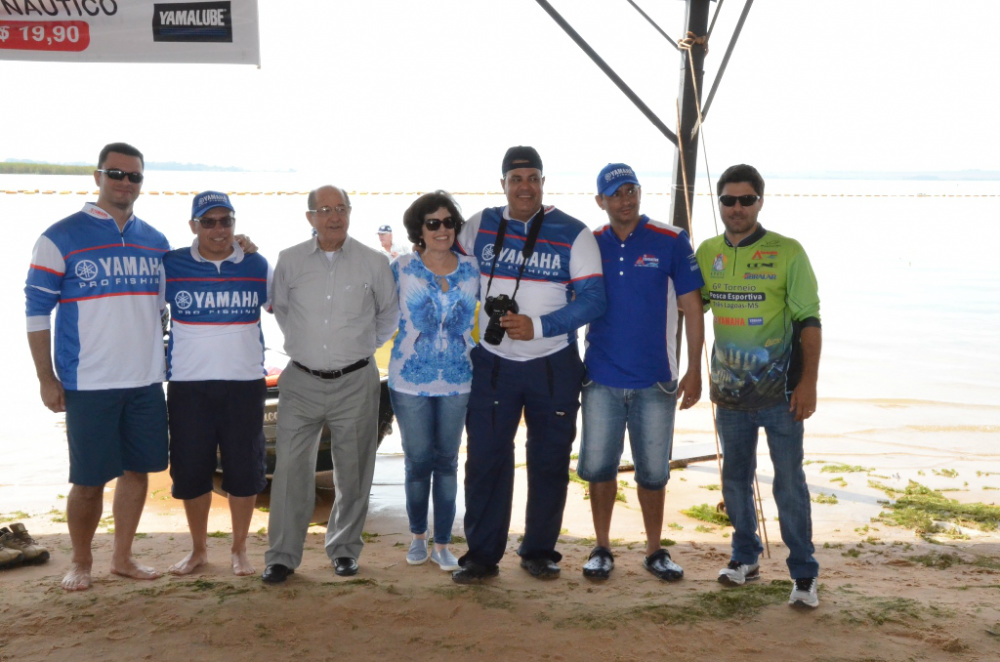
86, 270
183, 300
193, 22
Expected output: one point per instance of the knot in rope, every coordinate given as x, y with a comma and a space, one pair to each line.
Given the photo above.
689, 42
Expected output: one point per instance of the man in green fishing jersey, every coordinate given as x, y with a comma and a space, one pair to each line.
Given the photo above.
765, 308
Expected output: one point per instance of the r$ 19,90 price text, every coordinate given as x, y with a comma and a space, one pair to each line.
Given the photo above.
44, 35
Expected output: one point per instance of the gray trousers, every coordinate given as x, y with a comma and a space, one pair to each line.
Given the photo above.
349, 406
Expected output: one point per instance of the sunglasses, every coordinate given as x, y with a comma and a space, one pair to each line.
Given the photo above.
209, 223
118, 175
433, 224
745, 200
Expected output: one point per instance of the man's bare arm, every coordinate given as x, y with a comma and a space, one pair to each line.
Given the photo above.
51, 389
803, 401
689, 389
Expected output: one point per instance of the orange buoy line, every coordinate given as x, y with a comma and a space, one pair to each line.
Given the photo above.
498, 193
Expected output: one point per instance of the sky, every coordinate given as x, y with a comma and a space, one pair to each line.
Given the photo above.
387, 93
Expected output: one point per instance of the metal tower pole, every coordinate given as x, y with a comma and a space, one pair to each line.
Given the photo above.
686, 153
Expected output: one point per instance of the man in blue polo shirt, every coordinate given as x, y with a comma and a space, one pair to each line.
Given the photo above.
649, 273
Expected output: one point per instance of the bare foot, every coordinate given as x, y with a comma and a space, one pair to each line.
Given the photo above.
132, 569
241, 564
188, 564
77, 579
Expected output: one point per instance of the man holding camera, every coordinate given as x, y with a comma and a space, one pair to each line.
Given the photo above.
541, 280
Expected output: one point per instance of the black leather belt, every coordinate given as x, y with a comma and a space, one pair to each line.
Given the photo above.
332, 374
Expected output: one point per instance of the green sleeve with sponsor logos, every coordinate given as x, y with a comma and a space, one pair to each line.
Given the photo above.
755, 293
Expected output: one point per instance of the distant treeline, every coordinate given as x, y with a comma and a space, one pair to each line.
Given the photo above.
15, 168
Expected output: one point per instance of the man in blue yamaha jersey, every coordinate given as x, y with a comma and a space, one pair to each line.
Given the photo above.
216, 389
102, 267
540, 281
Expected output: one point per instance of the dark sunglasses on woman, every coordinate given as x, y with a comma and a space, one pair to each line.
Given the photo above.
433, 224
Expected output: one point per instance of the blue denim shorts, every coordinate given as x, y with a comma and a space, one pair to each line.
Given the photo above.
115, 430
647, 413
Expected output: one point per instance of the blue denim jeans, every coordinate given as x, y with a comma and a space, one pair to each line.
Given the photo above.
648, 413
431, 429
738, 431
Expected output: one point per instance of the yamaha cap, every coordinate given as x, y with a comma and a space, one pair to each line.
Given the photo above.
613, 176
209, 200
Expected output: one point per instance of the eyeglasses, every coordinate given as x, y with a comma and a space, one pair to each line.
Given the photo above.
209, 223
339, 210
433, 224
118, 175
745, 200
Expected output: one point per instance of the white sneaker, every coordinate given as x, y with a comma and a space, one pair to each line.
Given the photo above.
738, 574
418, 551
804, 593
445, 559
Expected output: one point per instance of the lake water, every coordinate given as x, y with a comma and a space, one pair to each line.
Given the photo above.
911, 310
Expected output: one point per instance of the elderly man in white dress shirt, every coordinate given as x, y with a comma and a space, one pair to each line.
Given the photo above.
335, 301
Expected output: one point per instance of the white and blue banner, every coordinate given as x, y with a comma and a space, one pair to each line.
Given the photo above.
217, 31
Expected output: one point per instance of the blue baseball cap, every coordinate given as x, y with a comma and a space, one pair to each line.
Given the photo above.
385, 229
613, 176
209, 200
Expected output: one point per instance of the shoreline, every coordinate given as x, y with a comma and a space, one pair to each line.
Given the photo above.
905, 435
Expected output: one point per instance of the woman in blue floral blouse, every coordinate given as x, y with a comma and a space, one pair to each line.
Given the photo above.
430, 373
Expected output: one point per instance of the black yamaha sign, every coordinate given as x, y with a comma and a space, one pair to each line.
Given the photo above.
193, 22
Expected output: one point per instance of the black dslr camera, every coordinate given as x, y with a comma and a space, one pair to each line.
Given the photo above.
497, 307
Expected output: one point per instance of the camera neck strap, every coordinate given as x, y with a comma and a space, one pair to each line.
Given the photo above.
529, 247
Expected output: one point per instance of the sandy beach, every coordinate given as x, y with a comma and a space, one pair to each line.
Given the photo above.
886, 593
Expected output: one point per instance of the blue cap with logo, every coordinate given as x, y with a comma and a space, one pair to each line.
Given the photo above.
209, 200
613, 176
385, 229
